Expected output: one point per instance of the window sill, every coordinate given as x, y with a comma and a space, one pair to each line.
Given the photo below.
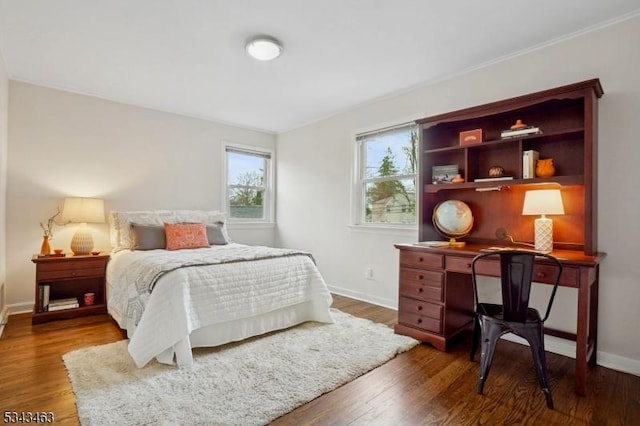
250, 225
411, 232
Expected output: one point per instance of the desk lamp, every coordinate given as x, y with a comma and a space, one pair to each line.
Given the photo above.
543, 202
82, 211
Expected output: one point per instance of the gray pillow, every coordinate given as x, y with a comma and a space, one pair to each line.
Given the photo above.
215, 235
148, 237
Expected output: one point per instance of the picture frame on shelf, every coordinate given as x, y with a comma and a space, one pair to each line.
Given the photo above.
471, 137
443, 174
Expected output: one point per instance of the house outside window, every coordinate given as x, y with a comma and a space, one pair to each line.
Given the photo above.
248, 189
386, 179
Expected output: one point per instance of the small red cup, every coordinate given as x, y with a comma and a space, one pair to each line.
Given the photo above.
89, 298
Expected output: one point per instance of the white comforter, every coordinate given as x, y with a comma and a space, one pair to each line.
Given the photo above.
212, 304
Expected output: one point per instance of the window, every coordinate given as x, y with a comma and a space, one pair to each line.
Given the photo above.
386, 183
248, 193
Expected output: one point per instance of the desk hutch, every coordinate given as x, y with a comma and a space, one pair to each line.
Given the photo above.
435, 292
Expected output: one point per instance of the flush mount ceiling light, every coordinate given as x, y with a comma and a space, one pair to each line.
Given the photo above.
264, 48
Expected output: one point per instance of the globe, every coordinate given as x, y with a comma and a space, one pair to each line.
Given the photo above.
453, 219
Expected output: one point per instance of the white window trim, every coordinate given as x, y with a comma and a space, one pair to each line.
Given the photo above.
357, 197
270, 196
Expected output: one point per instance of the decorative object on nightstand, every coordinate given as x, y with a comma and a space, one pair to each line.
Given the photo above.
83, 211
543, 202
45, 248
545, 168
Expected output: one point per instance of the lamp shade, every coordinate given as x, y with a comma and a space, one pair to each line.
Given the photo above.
542, 202
83, 210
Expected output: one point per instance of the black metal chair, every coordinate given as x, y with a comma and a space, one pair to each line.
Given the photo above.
514, 314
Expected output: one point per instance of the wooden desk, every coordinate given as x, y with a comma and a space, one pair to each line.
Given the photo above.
436, 296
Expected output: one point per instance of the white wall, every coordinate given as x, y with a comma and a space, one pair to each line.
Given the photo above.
64, 144
314, 177
4, 120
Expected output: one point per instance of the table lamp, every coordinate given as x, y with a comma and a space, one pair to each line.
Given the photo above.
543, 202
82, 211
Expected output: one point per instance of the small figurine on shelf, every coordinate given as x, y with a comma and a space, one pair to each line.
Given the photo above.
496, 171
518, 125
457, 179
545, 168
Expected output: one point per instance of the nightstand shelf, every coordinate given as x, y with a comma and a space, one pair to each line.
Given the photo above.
69, 277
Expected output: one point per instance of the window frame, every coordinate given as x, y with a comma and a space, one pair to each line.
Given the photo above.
358, 220
269, 186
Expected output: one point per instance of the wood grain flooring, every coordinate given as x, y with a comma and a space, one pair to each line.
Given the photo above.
420, 387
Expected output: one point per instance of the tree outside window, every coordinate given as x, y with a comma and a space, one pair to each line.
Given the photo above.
247, 184
388, 166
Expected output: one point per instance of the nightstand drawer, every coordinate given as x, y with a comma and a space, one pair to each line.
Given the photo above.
420, 259
424, 315
70, 269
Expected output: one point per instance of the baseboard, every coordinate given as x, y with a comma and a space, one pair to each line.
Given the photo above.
552, 344
20, 308
385, 303
568, 348
4, 316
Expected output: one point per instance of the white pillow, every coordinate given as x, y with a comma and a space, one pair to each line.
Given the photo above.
120, 222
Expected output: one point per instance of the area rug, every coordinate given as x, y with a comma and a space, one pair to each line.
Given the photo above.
247, 383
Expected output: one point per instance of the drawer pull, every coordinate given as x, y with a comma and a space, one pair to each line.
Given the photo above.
420, 259
420, 290
419, 320
468, 265
420, 277
541, 275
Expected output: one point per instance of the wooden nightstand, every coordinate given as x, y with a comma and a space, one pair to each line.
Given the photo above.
69, 277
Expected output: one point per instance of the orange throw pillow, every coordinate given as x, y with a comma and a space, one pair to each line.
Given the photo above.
186, 236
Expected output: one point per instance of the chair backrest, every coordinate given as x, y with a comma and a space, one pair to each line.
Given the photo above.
516, 276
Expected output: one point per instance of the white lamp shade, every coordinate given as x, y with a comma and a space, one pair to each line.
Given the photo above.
542, 201
83, 210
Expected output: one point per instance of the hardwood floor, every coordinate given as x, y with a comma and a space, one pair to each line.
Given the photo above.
420, 387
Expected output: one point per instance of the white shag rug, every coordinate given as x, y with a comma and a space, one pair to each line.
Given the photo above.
247, 383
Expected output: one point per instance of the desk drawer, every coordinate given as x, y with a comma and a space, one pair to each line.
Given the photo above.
420, 259
424, 315
420, 284
541, 273
546, 273
463, 264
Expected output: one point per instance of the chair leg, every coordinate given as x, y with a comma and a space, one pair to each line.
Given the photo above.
490, 334
476, 338
536, 342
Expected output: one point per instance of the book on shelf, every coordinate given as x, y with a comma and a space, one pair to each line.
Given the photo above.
529, 160
67, 301
531, 130
44, 296
492, 179
63, 307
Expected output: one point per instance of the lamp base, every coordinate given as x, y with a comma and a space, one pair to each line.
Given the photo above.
543, 228
82, 242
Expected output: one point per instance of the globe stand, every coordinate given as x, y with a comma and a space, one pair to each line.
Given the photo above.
456, 244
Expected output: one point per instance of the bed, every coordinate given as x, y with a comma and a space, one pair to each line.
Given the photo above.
170, 300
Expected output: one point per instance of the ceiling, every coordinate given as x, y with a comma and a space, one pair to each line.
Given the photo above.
187, 56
